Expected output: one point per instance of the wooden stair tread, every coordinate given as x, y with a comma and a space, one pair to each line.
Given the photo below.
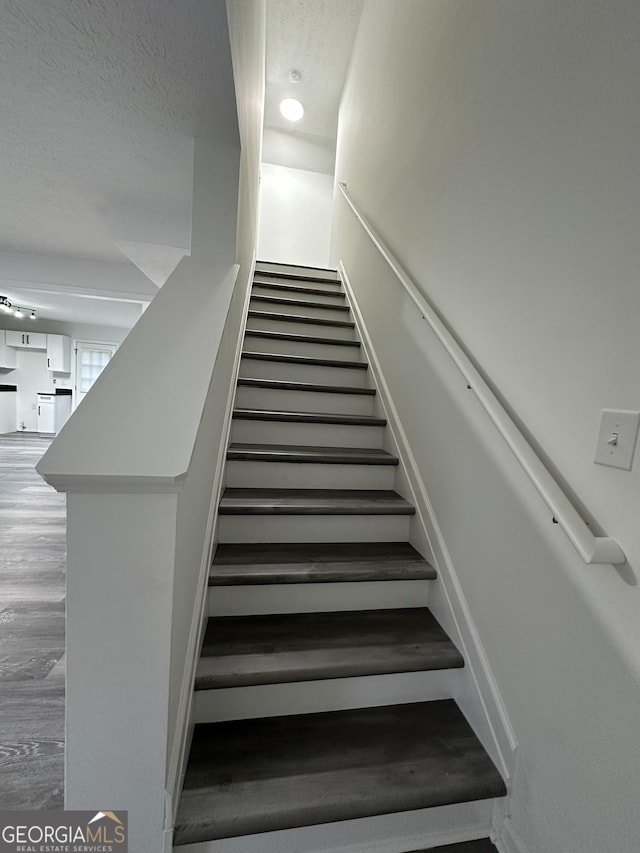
300, 318
302, 339
250, 776
236, 564
313, 502
275, 649
296, 288
288, 385
304, 359
331, 272
301, 303
300, 453
308, 417
289, 276
480, 845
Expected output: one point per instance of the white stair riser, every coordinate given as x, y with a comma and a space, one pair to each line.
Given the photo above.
316, 597
283, 347
289, 372
301, 475
391, 833
313, 528
303, 401
334, 694
308, 309
266, 324
318, 435
331, 296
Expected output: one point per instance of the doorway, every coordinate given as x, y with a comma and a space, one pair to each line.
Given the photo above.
91, 360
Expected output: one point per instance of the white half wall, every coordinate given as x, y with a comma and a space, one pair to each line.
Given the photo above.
295, 216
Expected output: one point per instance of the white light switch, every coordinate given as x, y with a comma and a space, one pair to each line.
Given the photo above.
617, 438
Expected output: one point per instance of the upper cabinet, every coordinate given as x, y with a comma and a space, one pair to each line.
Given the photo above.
7, 353
57, 347
26, 340
59, 353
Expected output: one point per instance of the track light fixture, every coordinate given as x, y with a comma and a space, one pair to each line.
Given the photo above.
18, 311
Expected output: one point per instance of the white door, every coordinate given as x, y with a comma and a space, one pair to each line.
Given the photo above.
91, 360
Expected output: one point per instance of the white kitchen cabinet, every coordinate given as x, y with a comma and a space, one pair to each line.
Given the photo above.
46, 413
59, 353
7, 354
8, 408
26, 340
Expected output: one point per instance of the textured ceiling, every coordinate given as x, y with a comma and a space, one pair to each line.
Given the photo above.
68, 308
99, 103
316, 38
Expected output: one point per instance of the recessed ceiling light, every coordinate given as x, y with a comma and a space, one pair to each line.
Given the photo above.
292, 109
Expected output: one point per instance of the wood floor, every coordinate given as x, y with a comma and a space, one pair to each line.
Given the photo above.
32, 614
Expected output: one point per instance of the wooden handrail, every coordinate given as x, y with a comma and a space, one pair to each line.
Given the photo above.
592, 549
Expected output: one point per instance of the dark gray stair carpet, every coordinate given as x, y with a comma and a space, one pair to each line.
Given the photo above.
281, 287
308, 417
316, 562
313, 502
300, 303
282, 385
296, 453
251, 776
303, 359
480, 845
300, 318
297, 338
239, 651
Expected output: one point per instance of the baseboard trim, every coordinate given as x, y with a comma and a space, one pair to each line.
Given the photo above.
498, 736
509, 841
184, 724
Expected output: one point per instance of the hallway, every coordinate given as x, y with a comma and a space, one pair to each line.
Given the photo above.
32, 612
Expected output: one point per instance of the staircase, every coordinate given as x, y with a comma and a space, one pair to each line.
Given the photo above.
322, 691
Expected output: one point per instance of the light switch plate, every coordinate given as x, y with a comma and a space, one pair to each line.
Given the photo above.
617, 438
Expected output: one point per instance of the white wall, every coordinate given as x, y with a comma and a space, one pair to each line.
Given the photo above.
295, 216
247, 23
32, 377
7, 410
493, 146
299, 150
